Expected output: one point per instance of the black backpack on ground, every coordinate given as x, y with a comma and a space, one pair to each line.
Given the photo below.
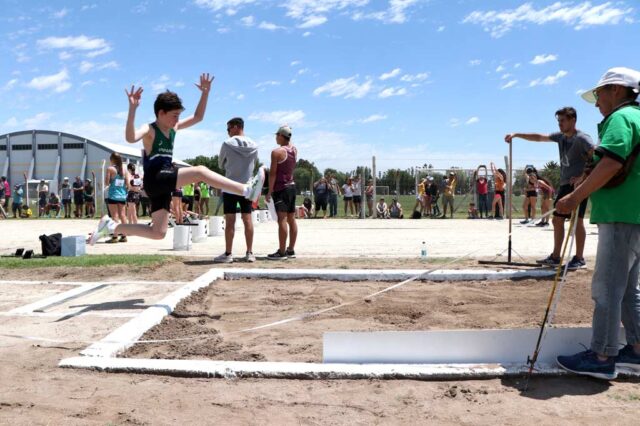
51, 244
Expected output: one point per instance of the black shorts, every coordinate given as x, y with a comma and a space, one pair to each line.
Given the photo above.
357, 199
78, 199
347, 198
66, 202
285, 200
42, 203
231, 201
532, 193
159, 184
133, 197
112, 202
88, 199
321, 202
566, 190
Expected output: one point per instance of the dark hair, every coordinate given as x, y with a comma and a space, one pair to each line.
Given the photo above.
117, 159
236, 122
568, 112
631, 95
167, 101
131, 167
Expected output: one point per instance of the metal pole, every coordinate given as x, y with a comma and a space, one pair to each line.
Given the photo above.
510, 187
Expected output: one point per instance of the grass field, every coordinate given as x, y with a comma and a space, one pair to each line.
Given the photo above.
84, 261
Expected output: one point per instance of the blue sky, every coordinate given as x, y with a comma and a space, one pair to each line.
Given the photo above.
410, 81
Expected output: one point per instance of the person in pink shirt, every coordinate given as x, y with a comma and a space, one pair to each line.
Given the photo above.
482, 187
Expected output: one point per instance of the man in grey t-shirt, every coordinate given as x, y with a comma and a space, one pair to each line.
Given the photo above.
574, 146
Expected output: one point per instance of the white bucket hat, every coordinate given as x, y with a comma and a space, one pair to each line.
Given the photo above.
620, 76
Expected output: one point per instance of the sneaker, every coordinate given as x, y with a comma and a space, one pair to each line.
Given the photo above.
105, 227
587, 364
499, 217
249, 257
291, 253
224, 258
540, 224
628, 358
123, 239
576, 263
524, 222
549, 261
277, 256
254, 186
112, 240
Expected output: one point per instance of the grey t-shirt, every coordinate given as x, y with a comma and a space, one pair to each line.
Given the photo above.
573, 154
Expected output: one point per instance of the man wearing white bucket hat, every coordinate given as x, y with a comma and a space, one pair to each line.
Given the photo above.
613, 183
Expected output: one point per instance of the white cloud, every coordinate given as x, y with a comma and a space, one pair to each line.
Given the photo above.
86, 66
391, 74
279, 117
581, 15
550, 80
543, 59
475, 62
12, 122
229, 6
93, 46
240, 97
294, 63
36, 121
392, 91
312, 21
456, 122
60, 13
122, 115
306, 34
472, 120
395, 14
270, 26
223, 30
264, 84
441, 28
372, 118
10, 84
509, 84
500, 68
57, 82
248, 21
347, 87
505, 76
63, 56
169, 28
409, 78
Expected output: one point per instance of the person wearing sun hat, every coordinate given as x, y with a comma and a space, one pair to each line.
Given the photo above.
613, 184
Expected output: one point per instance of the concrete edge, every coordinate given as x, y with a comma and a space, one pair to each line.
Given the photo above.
387, 274
81, 283
125, 335
310, 371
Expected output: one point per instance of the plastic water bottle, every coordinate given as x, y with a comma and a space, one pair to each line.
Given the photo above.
423, 251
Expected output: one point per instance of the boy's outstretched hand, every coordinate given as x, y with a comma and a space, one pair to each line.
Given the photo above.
134, 96
205, 82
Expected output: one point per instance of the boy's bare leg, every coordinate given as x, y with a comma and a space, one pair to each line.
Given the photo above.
156, 231
189, 175
293, 230
282, 231
248, 231
581, 236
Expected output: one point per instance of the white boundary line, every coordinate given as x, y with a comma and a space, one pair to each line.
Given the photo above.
73, 314
81, 283
101, 355
57, 299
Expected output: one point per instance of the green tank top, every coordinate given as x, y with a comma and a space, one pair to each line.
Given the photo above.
187, 190
204, 190
162, 148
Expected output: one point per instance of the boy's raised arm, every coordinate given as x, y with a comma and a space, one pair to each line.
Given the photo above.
130, 134
198, 115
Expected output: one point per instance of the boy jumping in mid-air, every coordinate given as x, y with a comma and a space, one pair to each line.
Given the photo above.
160, 176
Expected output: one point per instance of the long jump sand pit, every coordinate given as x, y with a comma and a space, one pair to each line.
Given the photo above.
215, 315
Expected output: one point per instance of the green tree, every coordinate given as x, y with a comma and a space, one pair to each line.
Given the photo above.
551, 172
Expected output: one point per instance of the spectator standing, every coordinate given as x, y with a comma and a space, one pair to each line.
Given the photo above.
17, 201
196, 198
2, 198
334, 193
188, 197
205, 196
321, 194
368, 193
283, 190
499, 200
238, 157
43, 193
449, 195
78, 196
134, 184
65, 191
357, 195
6, 188
530, 195
144, 201
574, 146
116, 179
347, 190
616, 211
420, 196
89, 199
434, 194
482, 188
546, 190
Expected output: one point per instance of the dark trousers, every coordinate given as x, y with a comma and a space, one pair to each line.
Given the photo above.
483, 204
333, 204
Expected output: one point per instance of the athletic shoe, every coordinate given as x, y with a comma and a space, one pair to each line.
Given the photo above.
499, 217
249, 257
112, 240
277, 256
105, 227
546, 224
524, 222
254, 186
576, 263
224, 258
549, 261
291, 253
628, 358
540, 224
587, 364
123, 239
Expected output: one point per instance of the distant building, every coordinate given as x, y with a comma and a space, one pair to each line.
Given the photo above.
52, 156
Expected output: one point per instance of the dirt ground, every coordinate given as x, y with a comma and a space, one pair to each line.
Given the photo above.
35, 391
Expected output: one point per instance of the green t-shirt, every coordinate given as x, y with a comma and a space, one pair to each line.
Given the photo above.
187, 190
204, 190
619, 134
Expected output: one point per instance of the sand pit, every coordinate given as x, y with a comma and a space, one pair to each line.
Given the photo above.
215, 313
